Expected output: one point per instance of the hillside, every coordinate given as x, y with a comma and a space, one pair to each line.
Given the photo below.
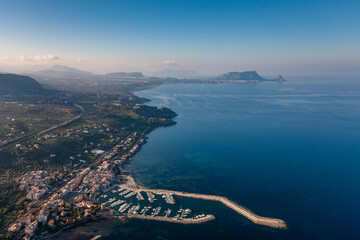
13, 82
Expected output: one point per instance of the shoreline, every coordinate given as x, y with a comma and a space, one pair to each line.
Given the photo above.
75, 225
245, 212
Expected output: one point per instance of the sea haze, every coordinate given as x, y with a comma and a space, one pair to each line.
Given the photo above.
286, 150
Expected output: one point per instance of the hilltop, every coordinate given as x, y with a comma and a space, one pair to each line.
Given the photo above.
246, 76
13, 82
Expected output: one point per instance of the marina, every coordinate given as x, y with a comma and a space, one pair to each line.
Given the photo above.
134, 205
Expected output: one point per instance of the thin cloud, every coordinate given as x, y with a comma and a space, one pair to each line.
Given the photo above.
24, 58
45, 57
170, 63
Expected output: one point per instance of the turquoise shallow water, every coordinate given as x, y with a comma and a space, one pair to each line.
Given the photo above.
288, 150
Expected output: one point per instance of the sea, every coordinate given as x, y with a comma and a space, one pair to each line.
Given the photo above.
288, 150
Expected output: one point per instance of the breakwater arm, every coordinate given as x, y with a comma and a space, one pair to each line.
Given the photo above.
265, 221
207, 218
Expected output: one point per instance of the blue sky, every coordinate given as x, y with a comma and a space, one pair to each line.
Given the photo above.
288, 37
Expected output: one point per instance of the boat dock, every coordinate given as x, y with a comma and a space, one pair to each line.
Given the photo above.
139, 196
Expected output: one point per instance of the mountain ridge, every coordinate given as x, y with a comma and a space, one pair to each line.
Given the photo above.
14, 82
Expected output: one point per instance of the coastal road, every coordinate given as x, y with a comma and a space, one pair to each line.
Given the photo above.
82, 111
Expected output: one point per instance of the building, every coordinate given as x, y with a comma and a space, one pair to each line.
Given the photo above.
51, 222
15, 227
43, 217
97, 151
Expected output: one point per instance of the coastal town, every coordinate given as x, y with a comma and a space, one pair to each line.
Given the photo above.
54, 205
55, 174
94, 183
53, 208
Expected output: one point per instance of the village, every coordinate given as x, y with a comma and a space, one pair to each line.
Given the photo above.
52, 209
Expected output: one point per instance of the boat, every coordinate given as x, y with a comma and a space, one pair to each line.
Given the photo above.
168, 212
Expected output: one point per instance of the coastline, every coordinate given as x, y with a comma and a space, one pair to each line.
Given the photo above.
75, 225
245, 212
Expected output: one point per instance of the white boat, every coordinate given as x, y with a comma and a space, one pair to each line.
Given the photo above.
168, 212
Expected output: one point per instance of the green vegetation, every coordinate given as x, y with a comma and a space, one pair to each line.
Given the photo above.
18, 120
12, 200
109, 117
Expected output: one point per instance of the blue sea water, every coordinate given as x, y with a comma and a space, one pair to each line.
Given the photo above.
287, 150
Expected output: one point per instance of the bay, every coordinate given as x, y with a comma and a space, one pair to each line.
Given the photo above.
287, 150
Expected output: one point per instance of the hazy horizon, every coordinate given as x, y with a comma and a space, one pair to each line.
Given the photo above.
290, 38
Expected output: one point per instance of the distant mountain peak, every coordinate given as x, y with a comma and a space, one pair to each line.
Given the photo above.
61, 72
66, 69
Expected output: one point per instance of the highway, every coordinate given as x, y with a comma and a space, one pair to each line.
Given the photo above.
9, 144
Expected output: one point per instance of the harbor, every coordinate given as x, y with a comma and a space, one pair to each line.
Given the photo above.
136, 202
160, 206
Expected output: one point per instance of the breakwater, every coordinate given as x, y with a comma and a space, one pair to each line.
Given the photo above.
265, 221
270, 222
207, 218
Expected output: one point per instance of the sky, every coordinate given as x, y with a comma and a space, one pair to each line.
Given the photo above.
318, 37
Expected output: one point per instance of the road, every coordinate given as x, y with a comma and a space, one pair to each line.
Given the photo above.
82, 111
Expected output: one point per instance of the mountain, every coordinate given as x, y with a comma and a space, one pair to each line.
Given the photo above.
246, 76
13, 82
124, 75
175, 73
62, 68
60, 71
